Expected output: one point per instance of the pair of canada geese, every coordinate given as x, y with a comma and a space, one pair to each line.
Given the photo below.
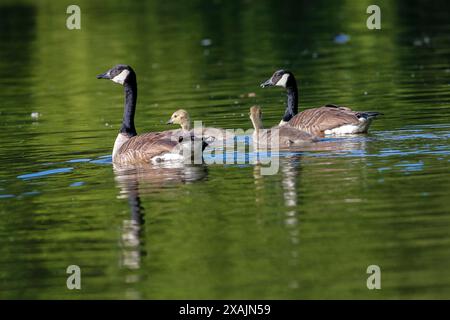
293, 130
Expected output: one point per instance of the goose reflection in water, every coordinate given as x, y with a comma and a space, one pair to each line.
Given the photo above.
290, 172
134, 181
154, 177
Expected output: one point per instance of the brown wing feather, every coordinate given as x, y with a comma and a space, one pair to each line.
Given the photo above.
144, 147
317, 120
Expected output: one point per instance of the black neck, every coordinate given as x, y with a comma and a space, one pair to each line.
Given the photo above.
130, 108
292, 99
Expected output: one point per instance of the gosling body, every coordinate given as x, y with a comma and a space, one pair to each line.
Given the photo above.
182, 118
286, 136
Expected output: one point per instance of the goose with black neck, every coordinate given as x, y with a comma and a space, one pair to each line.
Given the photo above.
328, 119
131, 148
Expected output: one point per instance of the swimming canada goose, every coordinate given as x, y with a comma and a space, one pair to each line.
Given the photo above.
328, 119
182, 118
130, 148
288, 136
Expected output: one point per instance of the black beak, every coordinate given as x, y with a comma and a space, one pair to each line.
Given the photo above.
169, 122
267, 83
104, 75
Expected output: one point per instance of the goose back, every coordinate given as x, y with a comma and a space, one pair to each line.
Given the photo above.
144, 147
317, 121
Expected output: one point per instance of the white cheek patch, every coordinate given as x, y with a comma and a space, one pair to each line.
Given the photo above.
120, 78
282, 82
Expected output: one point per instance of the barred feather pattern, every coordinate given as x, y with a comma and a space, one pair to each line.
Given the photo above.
142, 148
315, 121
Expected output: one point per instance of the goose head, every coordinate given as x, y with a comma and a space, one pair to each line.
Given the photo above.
280, 78
182, 118
256, 117
121, 74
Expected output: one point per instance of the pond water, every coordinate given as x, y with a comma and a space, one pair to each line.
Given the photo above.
224, 231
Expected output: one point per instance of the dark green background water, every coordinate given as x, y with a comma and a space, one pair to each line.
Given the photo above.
224, 231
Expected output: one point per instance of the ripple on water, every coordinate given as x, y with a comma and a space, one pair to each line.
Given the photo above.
79, 160
6, 196
77, 184
44, 173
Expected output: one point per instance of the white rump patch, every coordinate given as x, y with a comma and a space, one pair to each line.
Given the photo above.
282, 82
361, 127
120, 78
168, 157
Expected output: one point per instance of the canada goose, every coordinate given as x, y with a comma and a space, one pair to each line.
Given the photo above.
328, 119
130, 148
288, 136
182, 118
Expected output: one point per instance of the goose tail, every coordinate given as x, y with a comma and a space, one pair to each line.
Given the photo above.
369, 114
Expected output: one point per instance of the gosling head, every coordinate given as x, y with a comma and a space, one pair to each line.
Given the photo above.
182, 118
280, 78
121, 74
256, 117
